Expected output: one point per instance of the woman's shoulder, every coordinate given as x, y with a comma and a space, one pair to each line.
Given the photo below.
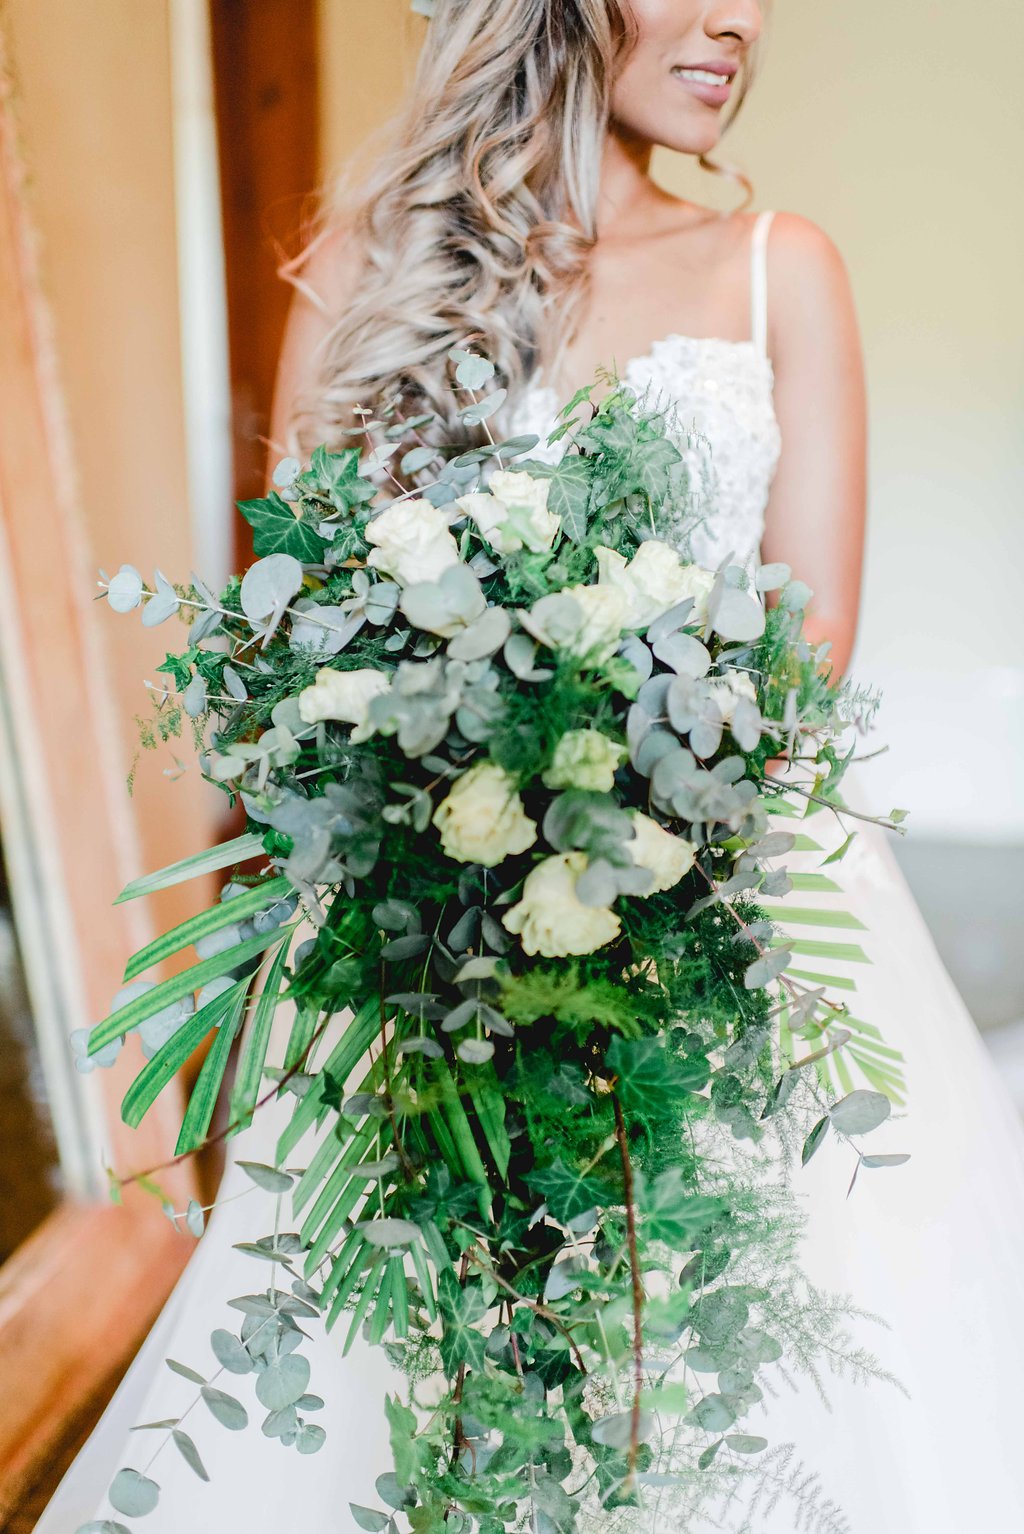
808, 282
326, 270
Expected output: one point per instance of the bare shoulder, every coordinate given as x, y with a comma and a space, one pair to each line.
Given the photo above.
325, 273
805, 266
323, 280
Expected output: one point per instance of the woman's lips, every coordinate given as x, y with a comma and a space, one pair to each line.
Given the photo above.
711, 86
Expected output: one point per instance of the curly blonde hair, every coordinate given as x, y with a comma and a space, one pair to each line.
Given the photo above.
477, 220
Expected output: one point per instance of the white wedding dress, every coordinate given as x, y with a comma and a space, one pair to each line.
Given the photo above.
936, 1247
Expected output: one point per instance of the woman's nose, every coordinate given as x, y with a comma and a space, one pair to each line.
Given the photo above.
741, 19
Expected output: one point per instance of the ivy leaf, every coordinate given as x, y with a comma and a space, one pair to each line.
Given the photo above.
567, 1192
649, 1078
339, 477
569, 496
462, 1341
277, 530
670, 1213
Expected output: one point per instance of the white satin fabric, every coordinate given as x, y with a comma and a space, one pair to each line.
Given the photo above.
936, 1246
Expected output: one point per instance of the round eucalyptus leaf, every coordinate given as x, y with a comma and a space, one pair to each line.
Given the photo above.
796, 596
283, 1382
193, 699
286, 472
133, 1494
124, 590
161, 606
881, 1161
772, 577
391, 1491
474, 372
195, 1218
388, 1232
701, 1361
228, 1412
738, 616
860, 1112
233, 684
614, 1431
713, 1414
103, 1058
230, 1353
310, 1438
746, 1443
277, 1423
475, 1051
268, 586
472, 415
368, 1518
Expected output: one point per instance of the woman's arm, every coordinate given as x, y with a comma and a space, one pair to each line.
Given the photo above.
816, 513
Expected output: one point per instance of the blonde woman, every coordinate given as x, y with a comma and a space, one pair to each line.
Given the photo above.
515, 206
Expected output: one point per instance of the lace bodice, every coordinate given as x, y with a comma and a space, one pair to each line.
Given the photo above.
722, 391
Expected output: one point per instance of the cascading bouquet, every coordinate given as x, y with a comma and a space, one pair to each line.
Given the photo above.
510, 766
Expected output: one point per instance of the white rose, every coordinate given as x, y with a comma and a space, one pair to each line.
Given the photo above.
729, 689
551, 920
343, 695
605, 611
513, 493
413, 542
665, 856
654, 580
585, 759
482, 820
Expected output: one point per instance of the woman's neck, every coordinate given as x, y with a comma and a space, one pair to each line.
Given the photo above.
627, 191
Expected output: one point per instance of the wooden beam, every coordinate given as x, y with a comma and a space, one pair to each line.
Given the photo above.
267, 95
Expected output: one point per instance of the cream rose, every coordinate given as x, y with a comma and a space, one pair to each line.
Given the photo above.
510, 492
482, 820
665, 856
343, 695
551, 920
413, 542
728, 690
654, 580
604, 612
585, 759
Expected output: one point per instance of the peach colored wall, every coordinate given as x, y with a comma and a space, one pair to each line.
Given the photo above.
93, 96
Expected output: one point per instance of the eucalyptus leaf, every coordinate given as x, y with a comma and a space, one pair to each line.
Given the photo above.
133, 1494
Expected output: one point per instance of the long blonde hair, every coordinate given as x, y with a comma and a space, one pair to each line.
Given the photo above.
477, 221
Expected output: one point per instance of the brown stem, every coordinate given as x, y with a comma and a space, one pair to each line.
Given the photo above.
535, 1305
638, 1296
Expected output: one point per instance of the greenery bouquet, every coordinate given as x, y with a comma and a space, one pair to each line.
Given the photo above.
510, 765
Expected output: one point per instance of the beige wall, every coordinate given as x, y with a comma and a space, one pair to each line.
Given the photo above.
93, 93
899, 128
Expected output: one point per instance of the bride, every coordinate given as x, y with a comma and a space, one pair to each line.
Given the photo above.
517, 208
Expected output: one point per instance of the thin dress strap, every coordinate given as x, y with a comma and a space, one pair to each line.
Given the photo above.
759, 282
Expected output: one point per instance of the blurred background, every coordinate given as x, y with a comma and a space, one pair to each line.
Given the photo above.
158, 160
